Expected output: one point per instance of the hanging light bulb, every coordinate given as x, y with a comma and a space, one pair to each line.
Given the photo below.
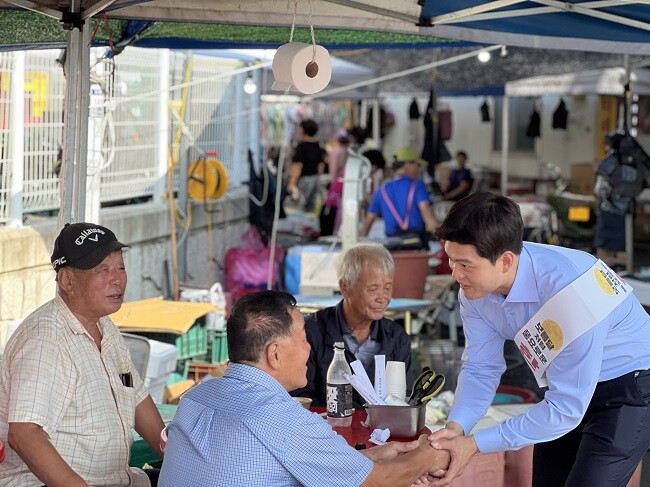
250, 86
484, 56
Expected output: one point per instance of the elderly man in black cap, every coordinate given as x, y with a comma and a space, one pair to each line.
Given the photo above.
69, 393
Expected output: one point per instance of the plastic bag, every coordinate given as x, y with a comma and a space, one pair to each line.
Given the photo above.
247, 268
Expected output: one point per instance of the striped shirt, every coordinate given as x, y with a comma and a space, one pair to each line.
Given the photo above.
245, 430
53, 375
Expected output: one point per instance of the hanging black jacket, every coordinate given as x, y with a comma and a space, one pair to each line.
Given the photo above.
533, 125
324, 328
560, 116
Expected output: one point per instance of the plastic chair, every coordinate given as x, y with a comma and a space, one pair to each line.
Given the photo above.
140, 348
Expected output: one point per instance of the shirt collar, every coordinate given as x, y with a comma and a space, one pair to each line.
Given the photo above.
249, 373
343, 326
70, 319
524, 288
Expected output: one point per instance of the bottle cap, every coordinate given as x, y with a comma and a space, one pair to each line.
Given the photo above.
339, 345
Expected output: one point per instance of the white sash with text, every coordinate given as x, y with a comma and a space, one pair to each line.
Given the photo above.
567, 315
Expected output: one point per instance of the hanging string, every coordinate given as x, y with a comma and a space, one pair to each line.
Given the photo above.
293, 21
311, 27
313, 36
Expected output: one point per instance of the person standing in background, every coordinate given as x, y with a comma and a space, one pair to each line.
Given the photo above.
403, 202
330, 215
306, 167
377, 166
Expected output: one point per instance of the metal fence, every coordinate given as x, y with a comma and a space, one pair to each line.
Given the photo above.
135, 123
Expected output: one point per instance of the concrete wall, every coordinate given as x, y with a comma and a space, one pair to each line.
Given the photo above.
27, 278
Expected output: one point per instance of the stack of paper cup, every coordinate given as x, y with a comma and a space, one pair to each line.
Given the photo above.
396, 379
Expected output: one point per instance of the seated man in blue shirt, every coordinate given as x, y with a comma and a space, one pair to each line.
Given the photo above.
593, 426
244, 429
365, 275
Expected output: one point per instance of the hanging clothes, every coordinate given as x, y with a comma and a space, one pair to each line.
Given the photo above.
560, 116
414, 110
485, 112
533, 125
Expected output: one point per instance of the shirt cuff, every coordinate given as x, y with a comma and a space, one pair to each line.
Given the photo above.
463, 417
489, 440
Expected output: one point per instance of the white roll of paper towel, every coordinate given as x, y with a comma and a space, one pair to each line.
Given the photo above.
294, 70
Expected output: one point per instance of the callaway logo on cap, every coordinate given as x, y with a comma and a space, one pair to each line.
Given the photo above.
83, 246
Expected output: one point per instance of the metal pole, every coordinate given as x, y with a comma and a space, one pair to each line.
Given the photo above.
17, 139
239, 147
629, 242
505, 142
162, 124
629, 216
376, 122
83, 113
71, 67
254, 120
183, 162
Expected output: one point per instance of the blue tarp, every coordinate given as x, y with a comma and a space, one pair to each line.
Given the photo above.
531, 25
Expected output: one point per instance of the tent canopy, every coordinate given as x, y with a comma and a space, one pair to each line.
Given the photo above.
584, 25
30, 30
609, 81
620, 26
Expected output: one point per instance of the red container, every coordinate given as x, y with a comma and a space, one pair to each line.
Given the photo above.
526, 395
484, 470
411, 269
2, 451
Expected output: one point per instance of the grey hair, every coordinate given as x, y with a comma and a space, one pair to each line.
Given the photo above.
349, 264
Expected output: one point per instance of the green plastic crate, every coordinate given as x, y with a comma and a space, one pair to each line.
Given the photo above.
194, 343
219, 347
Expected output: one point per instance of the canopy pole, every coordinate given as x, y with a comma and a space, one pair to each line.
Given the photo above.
629, 216
505, 142
75, 132
69, 130
17, 113
83, 111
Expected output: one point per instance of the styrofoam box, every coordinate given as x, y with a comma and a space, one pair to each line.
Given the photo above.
156, 387
162, 360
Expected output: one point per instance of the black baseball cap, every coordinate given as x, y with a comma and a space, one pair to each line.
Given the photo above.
83, 246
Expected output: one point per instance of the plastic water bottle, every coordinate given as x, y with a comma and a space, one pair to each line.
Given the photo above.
339, 390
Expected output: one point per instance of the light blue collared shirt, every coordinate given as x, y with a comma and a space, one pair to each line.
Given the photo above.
245, 430
617, 345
